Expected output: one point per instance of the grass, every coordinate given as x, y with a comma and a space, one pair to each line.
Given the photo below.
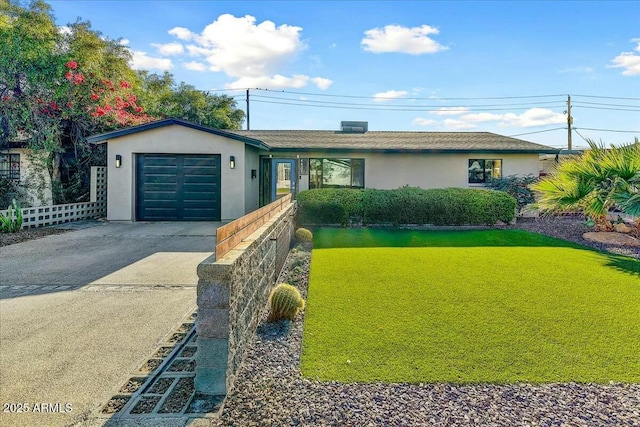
495, 306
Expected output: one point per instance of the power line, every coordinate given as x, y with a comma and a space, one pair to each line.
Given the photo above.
608, 97
414, 98
462, 108
607, 104
428, 109
609, 130
539, 131
607, 108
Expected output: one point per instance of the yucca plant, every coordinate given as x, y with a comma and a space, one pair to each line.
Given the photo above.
594, 182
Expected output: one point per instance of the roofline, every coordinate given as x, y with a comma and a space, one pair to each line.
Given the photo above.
408, 150
103, 137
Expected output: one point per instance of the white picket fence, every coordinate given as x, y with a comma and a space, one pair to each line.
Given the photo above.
43, 216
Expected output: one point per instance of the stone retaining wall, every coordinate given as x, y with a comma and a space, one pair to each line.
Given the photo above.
232, 293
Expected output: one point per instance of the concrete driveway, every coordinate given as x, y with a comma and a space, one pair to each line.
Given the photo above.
82, 310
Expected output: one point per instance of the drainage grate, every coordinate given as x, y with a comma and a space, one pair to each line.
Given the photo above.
164, 384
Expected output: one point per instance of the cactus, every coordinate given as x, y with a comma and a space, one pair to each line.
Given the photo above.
303, 235
285, 301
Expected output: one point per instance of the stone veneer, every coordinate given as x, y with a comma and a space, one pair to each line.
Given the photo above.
232, 293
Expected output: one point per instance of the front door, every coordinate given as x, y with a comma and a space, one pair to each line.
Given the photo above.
283, 178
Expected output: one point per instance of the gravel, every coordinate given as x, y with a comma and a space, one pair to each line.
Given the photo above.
270, 390
571, 228
7, 239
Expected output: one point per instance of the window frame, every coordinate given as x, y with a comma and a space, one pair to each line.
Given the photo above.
482, 170
10, 172
319, 178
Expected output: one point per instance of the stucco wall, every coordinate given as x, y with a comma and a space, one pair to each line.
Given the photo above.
252, 186
37, 185
174, 139
429, 170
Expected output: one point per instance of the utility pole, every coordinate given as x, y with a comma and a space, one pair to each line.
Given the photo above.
248, 125
569, 121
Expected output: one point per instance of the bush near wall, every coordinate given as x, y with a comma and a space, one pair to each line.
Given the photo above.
406, 205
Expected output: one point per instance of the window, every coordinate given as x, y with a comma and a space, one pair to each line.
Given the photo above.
482, 170
336, 173
10, 166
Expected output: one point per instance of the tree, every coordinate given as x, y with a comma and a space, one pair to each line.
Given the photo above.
595, 182
164, 98
58, 87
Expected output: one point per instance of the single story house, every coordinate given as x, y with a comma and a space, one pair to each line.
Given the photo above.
176, 170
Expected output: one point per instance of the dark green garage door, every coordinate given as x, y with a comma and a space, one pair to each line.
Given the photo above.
177, 187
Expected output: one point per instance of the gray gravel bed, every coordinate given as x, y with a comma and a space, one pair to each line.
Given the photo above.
571, 228
270, 391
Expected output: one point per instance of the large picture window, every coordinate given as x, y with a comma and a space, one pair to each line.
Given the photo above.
336, 173
10, 166
482, 170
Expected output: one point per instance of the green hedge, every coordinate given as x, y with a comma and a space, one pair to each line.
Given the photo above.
407, 205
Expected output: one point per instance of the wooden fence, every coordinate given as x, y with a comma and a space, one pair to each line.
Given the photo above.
231, 235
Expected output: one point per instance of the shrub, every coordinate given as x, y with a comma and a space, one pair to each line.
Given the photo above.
516, 186
11, 223
407, 205
303, 235
285, 301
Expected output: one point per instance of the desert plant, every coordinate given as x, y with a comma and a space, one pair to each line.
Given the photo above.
303, 235
517, 186
285, 302
593, 183
12, 222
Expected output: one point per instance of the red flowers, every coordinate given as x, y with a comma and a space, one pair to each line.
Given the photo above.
68, 75
125, 85
71, 64
95, 96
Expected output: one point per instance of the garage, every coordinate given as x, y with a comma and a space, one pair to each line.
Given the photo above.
178, 187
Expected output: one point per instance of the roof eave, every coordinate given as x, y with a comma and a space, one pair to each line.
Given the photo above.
104, 137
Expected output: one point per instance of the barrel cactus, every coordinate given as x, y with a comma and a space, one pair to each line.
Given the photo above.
285, 301
303, 235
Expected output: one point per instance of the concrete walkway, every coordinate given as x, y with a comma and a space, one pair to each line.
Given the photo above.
80, 311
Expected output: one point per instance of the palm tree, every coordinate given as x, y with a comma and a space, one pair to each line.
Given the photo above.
595, 182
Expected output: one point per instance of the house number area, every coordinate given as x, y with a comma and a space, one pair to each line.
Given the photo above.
43, 407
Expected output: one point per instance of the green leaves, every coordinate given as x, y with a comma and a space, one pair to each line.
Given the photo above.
12, 222
594, 182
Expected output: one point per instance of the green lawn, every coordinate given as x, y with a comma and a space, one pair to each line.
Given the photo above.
496, 306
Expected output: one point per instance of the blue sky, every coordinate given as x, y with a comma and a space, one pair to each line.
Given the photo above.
504, 67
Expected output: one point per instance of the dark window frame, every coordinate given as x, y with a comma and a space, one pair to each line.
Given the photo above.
319, 178
477, 170
10, 166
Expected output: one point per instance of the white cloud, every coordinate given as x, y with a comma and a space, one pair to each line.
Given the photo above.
181, 33
458, 124
450, 111
389, 95
273, 82
629, 61
322, 83
169, 49
254, 54
421, 121
64, 30
533, 117
124, 42
395, 38
481, 117
577, 70
141, 61
195, 66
